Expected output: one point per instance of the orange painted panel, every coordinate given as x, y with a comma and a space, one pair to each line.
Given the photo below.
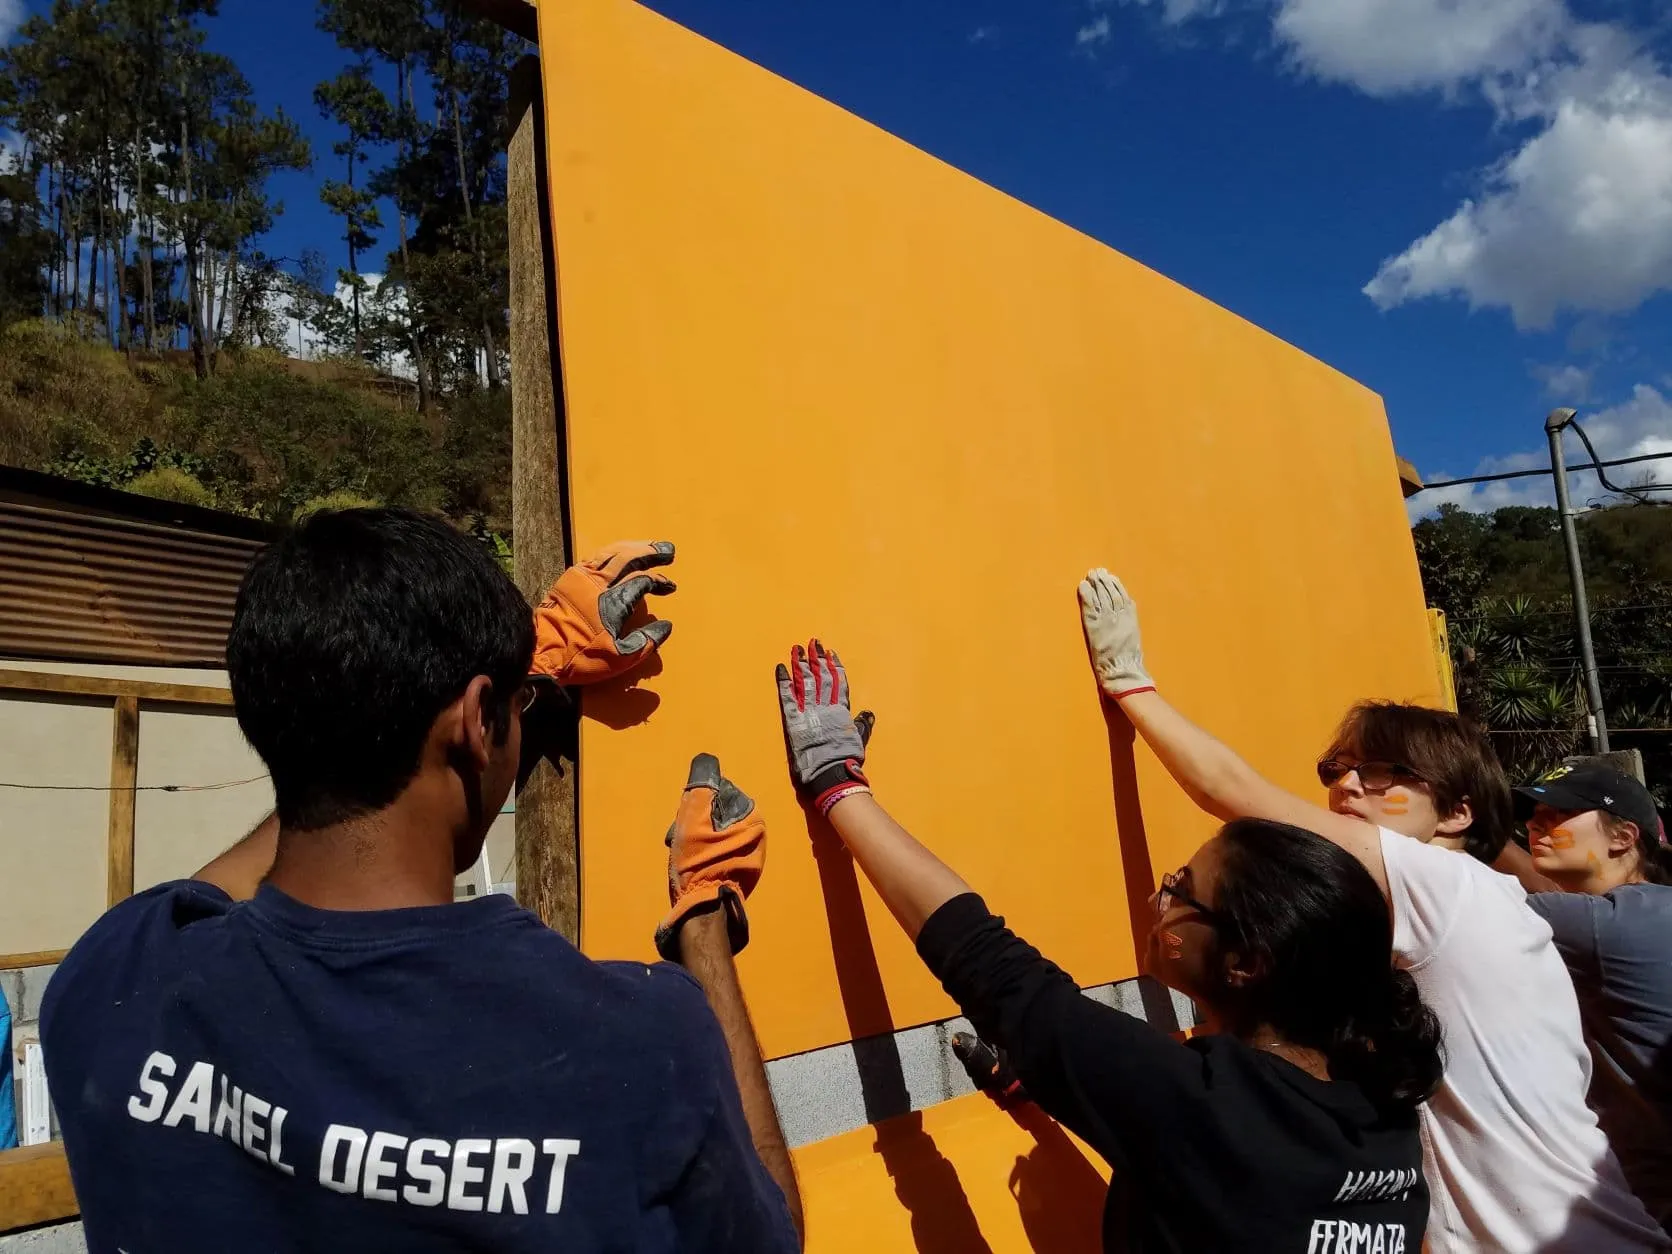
874, 399
963, 1177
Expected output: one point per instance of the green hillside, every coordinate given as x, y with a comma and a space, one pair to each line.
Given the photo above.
1502, 580
265, 435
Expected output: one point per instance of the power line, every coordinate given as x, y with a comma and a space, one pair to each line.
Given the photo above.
1566, 731
234, 783
1528, 474
1565, 611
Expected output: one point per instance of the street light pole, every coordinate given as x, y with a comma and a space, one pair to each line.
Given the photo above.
1595, 722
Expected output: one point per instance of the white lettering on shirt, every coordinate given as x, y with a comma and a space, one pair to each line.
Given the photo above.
561, 1150
255, 1110
229, 1113
1344, 1236
430, 1173
156, 1092
379, 1168
252, 1123
279, 1112
471, 1174
465, 1175
194, 1098
355, 1139
513, 1164
1377, 1186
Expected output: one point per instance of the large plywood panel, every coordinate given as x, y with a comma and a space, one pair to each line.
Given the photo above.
874, 399
961, 1178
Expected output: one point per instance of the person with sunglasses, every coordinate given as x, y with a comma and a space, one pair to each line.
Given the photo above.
1515, 1160
311, 1046
1290, 1125
1598, 870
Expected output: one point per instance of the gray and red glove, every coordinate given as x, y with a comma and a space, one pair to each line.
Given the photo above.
826, 742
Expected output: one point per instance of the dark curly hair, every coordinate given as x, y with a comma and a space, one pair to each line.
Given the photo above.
1313, 925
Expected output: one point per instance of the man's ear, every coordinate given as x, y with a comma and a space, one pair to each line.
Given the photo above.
1457, 821
1623, 836
475, 735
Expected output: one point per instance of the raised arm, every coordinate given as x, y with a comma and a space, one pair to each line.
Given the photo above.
1513, 860
827, 759
1109, 1076
716, 852
1212, 774
239, 871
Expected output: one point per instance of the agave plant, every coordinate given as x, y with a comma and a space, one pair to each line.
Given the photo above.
1521, 696
1519, 629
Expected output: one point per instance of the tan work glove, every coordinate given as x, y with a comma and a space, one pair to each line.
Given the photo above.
1111, 620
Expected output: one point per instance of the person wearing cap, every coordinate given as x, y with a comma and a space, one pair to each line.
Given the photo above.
1597, 869
1515, 1160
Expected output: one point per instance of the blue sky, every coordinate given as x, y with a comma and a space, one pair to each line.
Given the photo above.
1465, 204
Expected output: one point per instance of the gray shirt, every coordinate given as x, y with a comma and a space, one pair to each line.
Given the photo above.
1618, 947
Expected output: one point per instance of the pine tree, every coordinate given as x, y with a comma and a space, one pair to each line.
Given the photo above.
354, 102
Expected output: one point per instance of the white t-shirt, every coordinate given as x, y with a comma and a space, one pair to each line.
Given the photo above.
1514, 1157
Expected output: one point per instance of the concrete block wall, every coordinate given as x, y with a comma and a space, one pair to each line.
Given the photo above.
52, 1239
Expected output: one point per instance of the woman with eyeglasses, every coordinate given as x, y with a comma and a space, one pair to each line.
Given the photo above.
1291, 1125
1515, 1160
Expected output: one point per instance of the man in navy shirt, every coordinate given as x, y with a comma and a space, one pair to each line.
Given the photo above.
311, 1046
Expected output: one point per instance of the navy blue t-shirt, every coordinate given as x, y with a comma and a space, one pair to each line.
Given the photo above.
265, 1076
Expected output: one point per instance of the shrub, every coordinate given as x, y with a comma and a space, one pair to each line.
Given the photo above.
168, 483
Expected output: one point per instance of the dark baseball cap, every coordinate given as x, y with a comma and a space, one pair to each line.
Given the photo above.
1592, 786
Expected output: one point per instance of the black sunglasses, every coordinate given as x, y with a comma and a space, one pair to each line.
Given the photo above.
1374, 776
1170, 887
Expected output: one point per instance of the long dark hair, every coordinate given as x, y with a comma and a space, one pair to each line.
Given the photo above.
1307, 917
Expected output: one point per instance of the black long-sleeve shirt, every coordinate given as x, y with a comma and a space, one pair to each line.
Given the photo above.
1216, 1146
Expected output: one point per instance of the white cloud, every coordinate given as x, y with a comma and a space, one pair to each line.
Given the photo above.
12, 15
1174, 12
983, 34
1388, 46
1579, 218
1633, 428
1565, 382
1093, 32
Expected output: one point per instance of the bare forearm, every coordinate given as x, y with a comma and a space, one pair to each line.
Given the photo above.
1216, 778
1514, 860
705, 951
1228, 788
239, 871
912, 882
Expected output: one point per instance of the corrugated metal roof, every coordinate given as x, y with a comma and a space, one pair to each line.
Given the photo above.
108, 588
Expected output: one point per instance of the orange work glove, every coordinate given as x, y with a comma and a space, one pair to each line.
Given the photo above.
579, 628
716, 851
